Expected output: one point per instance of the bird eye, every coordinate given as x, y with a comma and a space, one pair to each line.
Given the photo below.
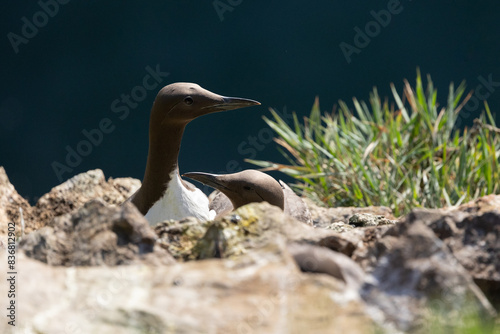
247, 188
188, 100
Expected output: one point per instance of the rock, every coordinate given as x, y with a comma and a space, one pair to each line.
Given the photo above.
474, 239
78, 190
340, 227
324, 217
125, 186
179, 237
366, 242
481, 205
104, 269
351, 239
367, 219
318, 259
249, 227
10, 203
345, 243
262, 292
479, 251
96, 234
413, 276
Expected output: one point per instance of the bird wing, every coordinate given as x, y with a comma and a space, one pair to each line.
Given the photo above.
219, 203
295, 206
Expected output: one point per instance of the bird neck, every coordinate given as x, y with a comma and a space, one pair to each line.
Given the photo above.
162, 162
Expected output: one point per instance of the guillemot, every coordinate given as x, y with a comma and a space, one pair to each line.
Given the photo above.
250, 186
163, 194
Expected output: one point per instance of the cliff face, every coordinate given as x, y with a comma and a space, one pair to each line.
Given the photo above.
86, 264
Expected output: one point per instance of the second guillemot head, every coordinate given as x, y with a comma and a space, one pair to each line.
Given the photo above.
245, 187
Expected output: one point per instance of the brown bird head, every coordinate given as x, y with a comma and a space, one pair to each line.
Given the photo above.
244, 187
181, 102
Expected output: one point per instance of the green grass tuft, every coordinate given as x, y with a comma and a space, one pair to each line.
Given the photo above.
402, 154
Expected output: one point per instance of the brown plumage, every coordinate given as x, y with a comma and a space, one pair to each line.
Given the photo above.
251, 186
174, 107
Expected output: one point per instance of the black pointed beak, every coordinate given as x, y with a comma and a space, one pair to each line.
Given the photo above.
230, 103
208, 179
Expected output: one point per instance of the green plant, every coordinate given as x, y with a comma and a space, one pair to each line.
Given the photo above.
406, 156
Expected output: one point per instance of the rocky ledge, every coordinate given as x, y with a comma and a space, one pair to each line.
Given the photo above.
86, 264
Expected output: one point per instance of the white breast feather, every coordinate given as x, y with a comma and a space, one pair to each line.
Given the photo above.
179, 202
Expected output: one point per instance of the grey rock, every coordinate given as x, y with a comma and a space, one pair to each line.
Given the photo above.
345, 243
413, 276
324, 217
10, 203
248, 228
339, 227
480, 205
75, 192
262, 292
367, 219
473, 236
109, 271
96, 234
318, 259
354, 242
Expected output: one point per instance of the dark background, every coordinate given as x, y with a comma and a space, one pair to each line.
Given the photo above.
281, 53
